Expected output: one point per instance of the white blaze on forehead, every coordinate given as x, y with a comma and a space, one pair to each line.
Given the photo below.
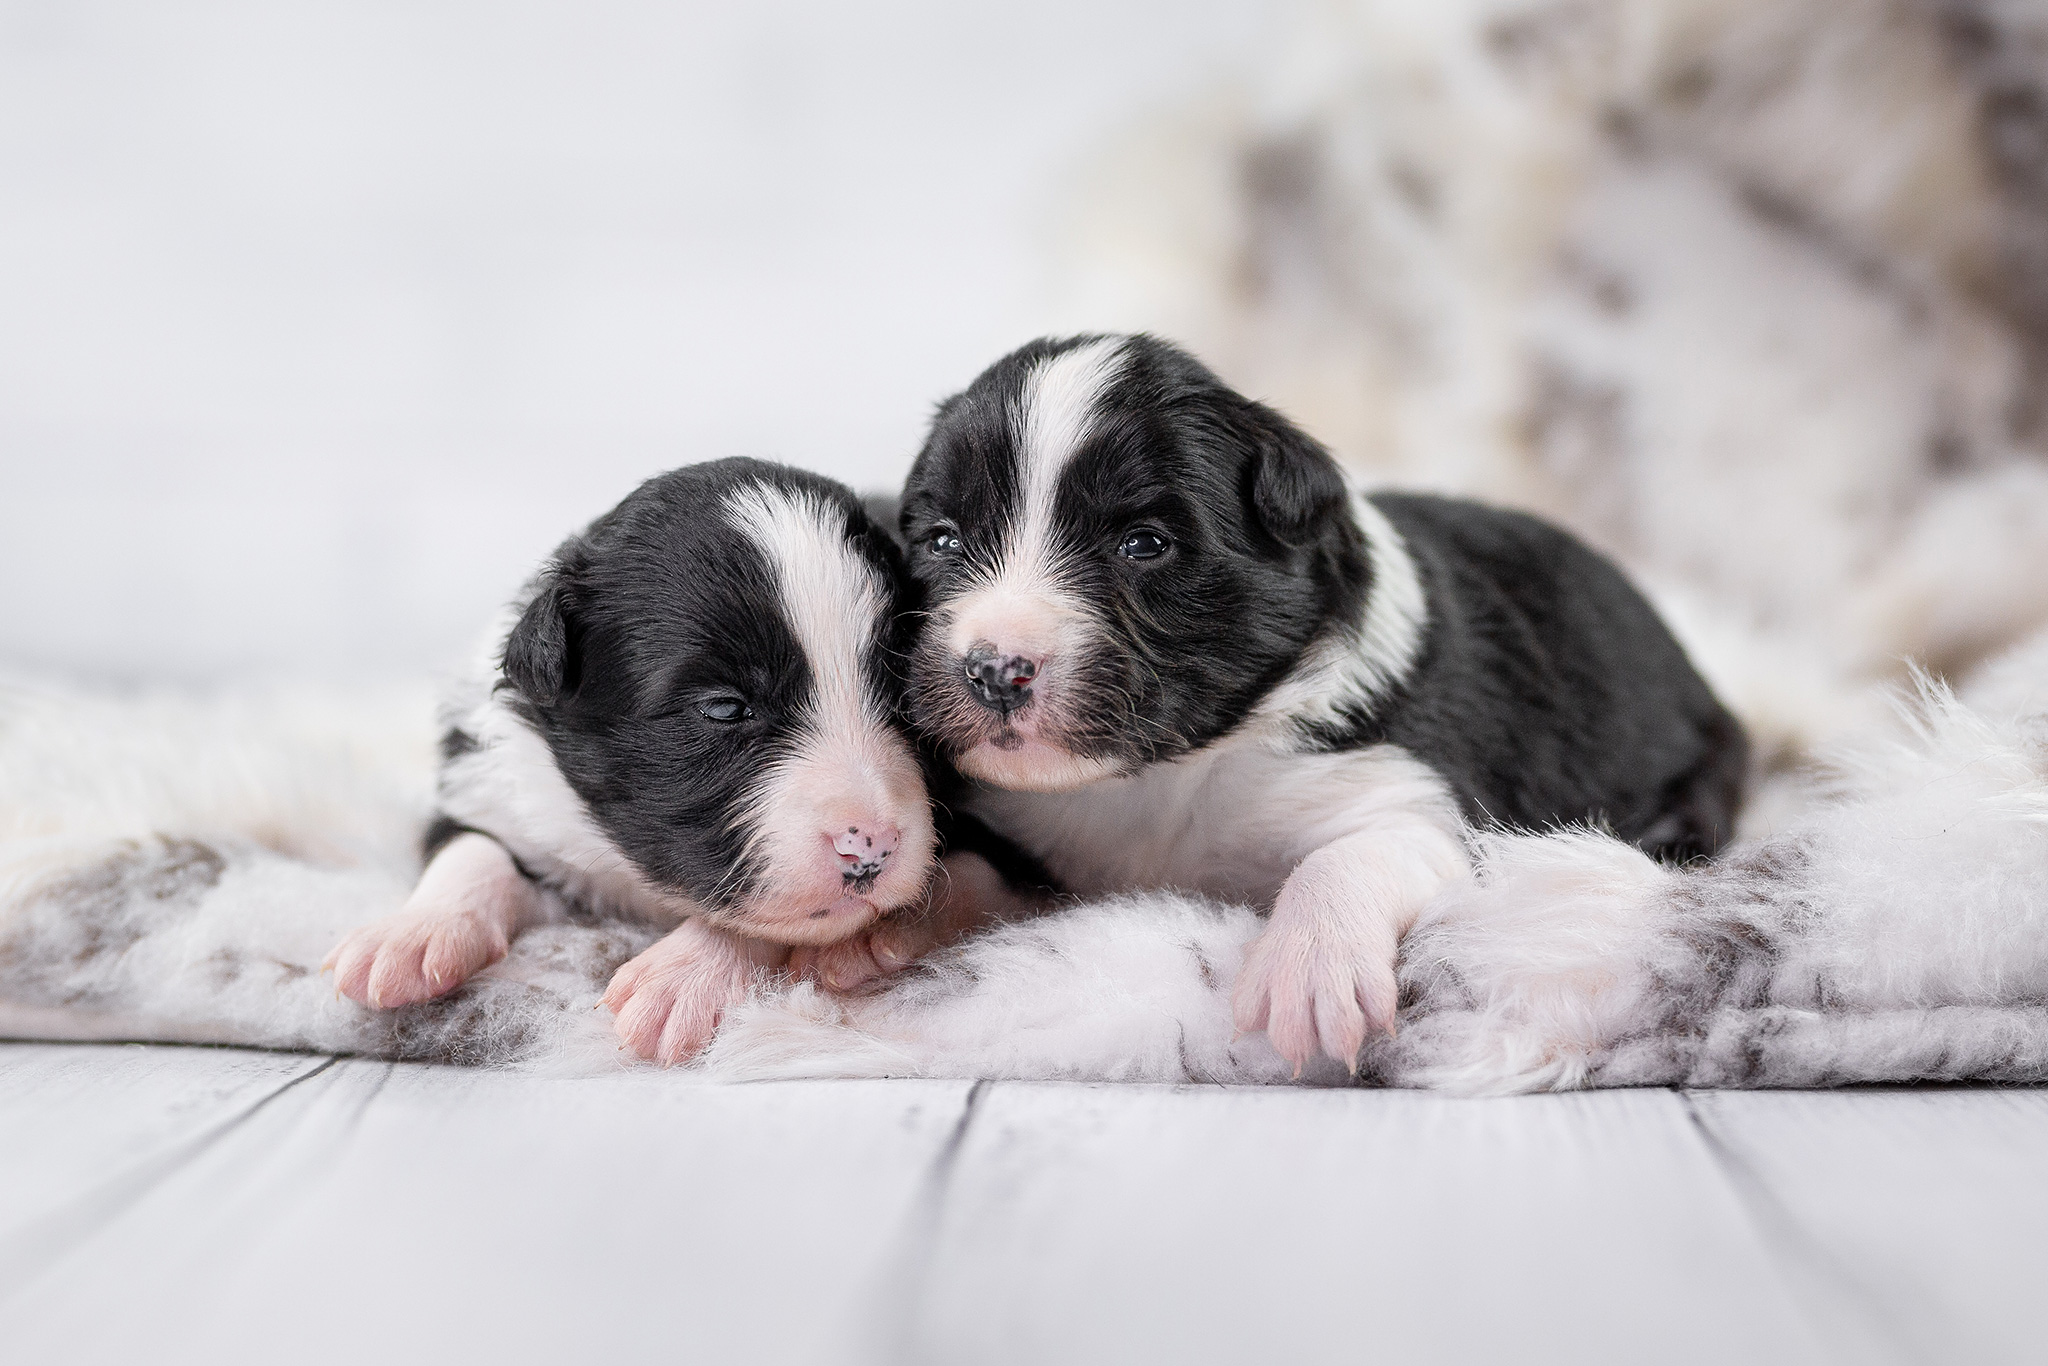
830, 596
848, 766
1053, 418
1018, 603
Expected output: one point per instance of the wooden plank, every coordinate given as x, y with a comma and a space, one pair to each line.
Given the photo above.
87, 1129
249, 1207
405, 1213
1120, 1224
1927, 1206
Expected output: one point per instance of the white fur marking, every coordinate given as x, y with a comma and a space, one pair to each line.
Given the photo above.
1360, 665
1020, 605
850, 767
1395, 611
829, 596
1052, 420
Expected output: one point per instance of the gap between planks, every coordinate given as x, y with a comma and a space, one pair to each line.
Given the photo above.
891, 1336
54, 1234
1840, 1304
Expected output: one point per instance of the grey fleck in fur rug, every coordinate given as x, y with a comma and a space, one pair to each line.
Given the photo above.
178, 871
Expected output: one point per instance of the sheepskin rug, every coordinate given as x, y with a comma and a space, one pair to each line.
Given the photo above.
1752, 294
178, 871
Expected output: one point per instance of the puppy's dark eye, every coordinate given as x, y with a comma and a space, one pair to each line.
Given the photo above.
725, 710
1142, 544
944, 541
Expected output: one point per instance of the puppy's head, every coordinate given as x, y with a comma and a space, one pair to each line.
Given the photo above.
1120, 556
713, 666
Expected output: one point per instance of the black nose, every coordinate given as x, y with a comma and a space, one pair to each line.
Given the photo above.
1000, 683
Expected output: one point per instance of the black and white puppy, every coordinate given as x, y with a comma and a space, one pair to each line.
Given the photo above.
1178, 651
693, 718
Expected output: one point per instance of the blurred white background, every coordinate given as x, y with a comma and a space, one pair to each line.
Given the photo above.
320, 323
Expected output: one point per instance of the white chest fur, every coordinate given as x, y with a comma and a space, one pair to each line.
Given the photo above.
1231, 821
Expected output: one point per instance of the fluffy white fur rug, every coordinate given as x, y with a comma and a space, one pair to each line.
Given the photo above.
1896, 930
177, 869
178, 872
1750, 293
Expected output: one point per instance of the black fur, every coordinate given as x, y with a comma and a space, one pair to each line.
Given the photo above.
440, 833
658, 609
1547, 691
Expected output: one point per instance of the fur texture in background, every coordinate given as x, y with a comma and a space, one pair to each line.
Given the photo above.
1753, 294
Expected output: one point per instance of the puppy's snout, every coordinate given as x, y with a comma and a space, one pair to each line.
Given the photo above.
1000, 682
863, 849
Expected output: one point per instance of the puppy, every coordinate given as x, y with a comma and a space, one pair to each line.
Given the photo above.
1177, 651
694, 719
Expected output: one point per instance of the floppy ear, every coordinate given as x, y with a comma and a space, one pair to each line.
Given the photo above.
537, 651
1296, 486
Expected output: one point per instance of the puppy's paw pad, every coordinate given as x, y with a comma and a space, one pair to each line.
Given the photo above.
896, 946
669, 1001
1313, 996
844, 966
669, 1021
874, 953
408, 959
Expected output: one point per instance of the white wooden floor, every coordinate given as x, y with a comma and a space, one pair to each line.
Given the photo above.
170, 1204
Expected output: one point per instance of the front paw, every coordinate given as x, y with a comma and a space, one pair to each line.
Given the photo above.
883, 948
1312, 993
409, 958
670, 999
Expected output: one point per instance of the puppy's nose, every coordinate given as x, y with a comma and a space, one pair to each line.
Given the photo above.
1000, 682
863, 849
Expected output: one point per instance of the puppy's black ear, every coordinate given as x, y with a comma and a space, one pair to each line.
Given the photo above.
537, 651
1296, 487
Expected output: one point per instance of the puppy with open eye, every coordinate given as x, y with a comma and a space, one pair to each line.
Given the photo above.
693, 721
1177, 651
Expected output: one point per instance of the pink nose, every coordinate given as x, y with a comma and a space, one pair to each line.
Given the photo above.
862, 849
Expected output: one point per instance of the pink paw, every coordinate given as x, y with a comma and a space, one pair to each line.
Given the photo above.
1313, 994
670, 999
409, 957
885, 947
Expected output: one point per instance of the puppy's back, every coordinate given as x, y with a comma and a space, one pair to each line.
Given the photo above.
1549, 691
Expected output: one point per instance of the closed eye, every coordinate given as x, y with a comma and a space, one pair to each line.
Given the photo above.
725, 710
